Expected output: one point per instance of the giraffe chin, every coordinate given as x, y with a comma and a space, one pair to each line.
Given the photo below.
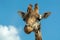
28, 29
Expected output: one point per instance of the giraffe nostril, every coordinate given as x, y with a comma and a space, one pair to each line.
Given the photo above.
28, 29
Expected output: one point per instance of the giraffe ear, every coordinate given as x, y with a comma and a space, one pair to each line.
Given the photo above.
22, 14
46, 14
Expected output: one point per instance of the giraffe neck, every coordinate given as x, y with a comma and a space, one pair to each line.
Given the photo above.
38, 35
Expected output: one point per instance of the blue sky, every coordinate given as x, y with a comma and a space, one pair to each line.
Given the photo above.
50, 27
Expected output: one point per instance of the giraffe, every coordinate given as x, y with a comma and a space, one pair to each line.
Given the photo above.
32, 18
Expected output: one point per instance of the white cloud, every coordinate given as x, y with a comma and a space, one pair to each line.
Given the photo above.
8, 33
